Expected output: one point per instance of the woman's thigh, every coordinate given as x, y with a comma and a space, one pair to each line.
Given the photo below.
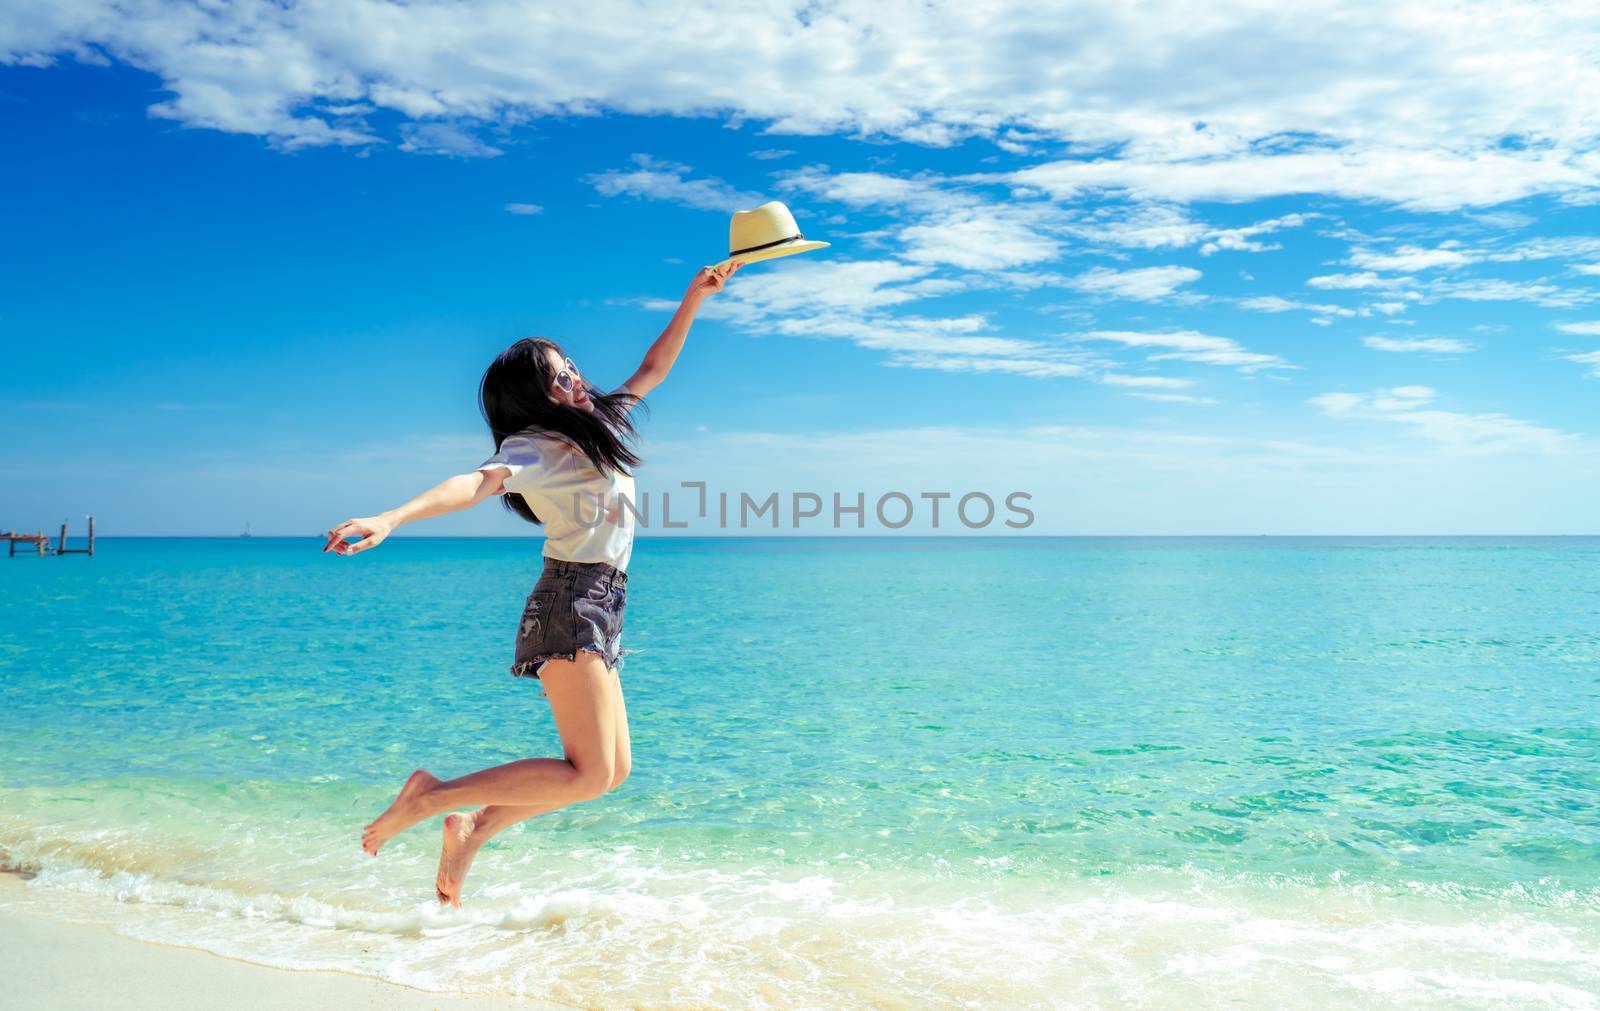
581, 697
619, 715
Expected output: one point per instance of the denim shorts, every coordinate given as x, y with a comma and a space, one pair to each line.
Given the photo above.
574, 606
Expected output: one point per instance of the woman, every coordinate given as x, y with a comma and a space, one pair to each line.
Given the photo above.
561, 461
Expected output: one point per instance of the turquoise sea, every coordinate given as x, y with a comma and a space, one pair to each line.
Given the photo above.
887, 772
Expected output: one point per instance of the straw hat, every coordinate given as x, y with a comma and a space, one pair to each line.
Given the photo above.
766, 232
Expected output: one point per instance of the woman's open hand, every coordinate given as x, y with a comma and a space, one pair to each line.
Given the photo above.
711, 279
372, 530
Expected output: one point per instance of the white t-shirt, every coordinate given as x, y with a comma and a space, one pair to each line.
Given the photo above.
587, 516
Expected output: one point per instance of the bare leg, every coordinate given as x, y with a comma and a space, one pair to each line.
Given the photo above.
465, 834
492, 819
580, 696
556, 782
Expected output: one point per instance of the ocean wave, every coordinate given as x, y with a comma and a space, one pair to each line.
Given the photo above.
627, 924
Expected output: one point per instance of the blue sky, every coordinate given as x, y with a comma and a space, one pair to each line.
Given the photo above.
1166, 276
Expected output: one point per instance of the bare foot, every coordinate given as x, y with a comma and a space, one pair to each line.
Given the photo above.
455, 857
405, 812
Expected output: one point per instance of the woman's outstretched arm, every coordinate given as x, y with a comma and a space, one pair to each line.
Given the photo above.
450, 495
658, 360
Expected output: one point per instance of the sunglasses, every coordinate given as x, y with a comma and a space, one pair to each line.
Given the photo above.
568, 377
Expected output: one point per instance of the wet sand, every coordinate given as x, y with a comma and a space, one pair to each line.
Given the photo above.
52, 963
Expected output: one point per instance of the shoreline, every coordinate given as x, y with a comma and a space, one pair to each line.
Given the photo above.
1185, 942
931, 536
66, 964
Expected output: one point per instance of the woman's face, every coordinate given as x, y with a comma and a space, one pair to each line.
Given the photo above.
576, 397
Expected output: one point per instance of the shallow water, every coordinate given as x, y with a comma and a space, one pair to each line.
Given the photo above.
897, 772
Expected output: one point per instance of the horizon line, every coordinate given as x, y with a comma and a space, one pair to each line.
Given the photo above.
831, 537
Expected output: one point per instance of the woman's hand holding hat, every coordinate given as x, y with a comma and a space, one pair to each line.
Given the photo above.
711, 279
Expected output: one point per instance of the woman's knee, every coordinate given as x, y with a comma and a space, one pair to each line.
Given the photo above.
591, 779
620, 773
579, 697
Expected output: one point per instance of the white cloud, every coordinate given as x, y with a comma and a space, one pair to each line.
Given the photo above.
664, 180
1365, 279
877, 189
1414, 110
1583, 329
1175, 398
1538, 291
1589, 358
943, 224
771, 153
1038, 368
1409, 394
1269, 303
1549, 247
824, 286
1139, 226
524, 208
916, 335
1408, 259
1451, 431
1188, 345
1243, 239
1507, 221
1273, 303
1497, 290
831, 299
1418, 180
1145, 284
444, 138
847, 300
951, 226
988, 238
1437, 345
1164, 382
1591, 269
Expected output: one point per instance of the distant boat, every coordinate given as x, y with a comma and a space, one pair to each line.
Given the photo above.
246, 529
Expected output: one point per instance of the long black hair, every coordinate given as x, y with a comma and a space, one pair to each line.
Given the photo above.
514, 397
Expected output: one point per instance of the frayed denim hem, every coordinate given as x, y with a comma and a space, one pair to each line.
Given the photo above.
529, 668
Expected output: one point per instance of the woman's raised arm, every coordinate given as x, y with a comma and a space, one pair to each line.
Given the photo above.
450, 495
658, 360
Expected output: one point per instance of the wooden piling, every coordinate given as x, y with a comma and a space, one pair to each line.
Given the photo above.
41, 542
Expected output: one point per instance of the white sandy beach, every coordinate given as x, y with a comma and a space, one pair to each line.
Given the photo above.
51, 963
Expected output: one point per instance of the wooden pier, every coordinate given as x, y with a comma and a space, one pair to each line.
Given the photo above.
41, 543
38, 540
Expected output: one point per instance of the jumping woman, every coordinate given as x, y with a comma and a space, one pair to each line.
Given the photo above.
561, 460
